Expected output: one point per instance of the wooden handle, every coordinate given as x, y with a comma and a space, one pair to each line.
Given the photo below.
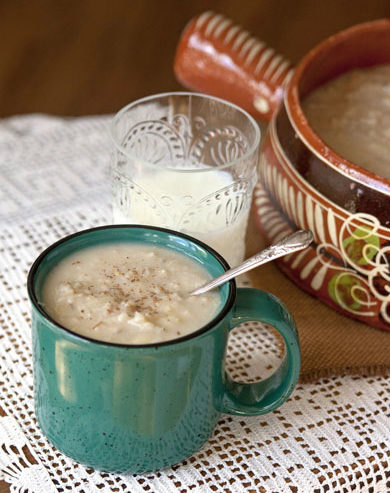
218, 57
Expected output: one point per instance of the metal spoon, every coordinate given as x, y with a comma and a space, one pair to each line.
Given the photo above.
289, 244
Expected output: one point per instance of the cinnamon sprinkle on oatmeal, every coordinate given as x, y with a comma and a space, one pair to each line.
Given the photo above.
137, 298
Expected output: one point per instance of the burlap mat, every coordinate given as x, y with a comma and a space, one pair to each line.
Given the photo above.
331, 344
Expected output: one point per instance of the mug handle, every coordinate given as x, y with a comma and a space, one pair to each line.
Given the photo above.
250, 399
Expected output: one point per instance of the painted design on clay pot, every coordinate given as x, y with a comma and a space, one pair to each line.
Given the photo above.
307, 184
349, 265
253, 74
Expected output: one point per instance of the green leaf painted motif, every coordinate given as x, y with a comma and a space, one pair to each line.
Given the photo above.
340, 289
356, 247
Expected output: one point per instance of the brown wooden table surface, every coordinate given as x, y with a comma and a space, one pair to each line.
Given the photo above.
90, 57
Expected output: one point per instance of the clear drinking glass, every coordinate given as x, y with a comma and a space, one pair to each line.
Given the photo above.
187, 162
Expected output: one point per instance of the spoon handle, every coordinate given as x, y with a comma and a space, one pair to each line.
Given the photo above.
289, 244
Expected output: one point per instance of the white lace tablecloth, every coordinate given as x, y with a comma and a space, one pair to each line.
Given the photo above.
332, 435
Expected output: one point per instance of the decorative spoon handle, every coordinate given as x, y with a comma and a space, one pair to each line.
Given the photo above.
291, 243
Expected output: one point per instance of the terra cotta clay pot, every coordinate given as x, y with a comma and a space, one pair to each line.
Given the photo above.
304, 183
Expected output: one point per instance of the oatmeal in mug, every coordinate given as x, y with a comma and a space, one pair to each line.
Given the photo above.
129, 294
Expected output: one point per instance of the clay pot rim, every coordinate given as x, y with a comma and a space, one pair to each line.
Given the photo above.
301, 125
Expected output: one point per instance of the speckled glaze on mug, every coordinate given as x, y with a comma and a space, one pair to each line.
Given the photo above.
138, 408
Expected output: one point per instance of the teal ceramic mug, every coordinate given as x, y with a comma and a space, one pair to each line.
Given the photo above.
138, 408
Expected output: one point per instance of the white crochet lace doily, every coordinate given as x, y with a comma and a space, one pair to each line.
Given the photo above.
332, 435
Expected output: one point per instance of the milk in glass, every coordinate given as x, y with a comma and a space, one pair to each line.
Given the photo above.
207, 204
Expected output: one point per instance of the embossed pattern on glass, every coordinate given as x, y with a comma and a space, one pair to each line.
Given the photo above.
186, 162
